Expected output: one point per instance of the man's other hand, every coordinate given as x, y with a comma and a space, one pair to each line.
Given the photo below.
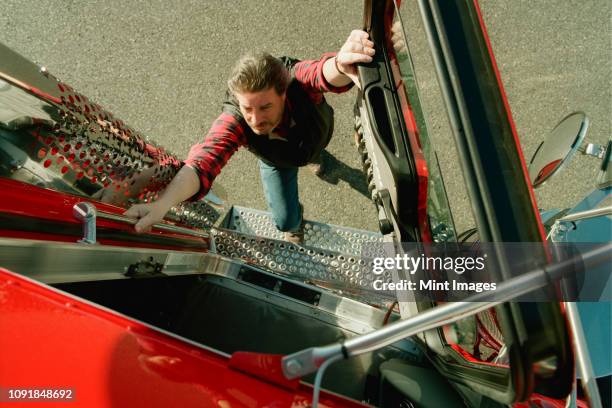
184, 185
147, 215
357, 48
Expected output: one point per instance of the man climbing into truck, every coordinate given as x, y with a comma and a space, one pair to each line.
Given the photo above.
276, 109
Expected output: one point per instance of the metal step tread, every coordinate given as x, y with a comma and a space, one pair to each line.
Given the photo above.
330, 256
317, 235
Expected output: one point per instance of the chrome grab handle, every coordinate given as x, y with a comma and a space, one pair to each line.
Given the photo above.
88, 214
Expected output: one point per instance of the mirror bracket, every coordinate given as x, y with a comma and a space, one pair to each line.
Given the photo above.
592, 149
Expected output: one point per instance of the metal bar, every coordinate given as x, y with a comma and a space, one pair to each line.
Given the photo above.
583, 359
307, 361
37, 92
127, 220
583, 215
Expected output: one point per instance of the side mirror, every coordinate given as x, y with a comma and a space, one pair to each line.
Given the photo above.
558, 148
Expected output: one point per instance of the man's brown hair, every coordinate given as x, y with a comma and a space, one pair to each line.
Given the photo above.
258, 72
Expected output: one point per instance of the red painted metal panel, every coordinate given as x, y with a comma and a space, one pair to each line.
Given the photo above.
21, 199
50, 339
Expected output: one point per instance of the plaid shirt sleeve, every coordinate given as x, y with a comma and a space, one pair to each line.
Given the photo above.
208, 158
309, 73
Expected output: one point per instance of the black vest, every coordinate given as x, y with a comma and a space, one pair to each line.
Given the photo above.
314, 125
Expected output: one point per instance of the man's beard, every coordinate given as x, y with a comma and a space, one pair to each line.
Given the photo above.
262, 129
266, 127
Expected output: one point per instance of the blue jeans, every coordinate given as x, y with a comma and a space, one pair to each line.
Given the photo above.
280, 187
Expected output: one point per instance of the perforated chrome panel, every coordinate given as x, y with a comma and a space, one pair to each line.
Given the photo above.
330, 256
335, 238
68, 143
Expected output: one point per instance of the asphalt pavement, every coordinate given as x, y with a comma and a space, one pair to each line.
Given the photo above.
162, 66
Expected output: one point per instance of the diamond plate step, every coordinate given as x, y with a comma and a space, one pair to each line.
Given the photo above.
348, 241
331, 255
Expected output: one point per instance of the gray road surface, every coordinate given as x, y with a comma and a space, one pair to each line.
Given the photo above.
161, 66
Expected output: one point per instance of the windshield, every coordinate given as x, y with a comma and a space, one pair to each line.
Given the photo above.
439, 213
477, 338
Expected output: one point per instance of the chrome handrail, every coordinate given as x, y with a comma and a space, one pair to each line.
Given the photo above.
88, 213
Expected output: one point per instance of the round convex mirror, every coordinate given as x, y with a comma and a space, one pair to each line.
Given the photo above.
558, 148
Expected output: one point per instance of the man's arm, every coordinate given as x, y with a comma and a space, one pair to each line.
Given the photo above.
183, 186
193, 181
334, 72
341, 70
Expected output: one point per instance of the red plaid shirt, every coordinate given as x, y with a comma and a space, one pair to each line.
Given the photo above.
227, 134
